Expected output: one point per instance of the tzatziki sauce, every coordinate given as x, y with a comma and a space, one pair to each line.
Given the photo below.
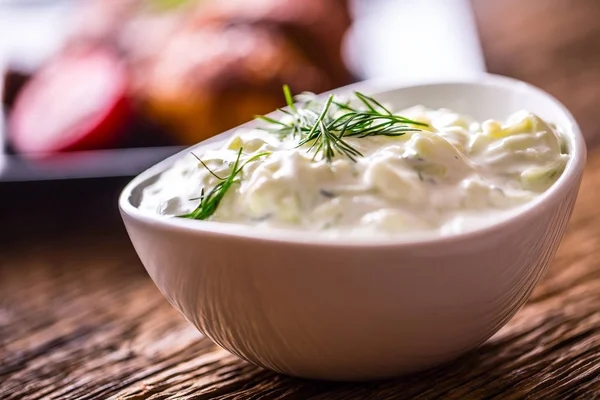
445, 173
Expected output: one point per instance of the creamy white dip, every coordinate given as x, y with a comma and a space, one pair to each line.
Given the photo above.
453, 176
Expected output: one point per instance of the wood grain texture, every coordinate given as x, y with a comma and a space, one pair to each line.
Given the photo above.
80, 319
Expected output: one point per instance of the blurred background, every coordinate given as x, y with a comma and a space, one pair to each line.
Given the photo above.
95, 91
96, 88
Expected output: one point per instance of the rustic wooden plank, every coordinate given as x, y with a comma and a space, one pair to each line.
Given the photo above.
79, 318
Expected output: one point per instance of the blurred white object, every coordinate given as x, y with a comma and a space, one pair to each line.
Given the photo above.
409, 40
31, 32
343, 309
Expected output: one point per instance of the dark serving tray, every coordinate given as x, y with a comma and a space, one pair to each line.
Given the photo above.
84, 164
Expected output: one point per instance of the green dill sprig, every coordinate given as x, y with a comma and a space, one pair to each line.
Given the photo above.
326, 141
209, 202
289, 98
367, 123
325, 125
296, 119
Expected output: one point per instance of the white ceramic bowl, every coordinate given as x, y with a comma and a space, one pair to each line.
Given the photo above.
348, 310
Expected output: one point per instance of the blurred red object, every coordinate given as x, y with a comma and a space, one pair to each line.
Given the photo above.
192, 68
78, 101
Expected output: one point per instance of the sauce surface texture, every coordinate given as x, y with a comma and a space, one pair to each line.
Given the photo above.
451, 175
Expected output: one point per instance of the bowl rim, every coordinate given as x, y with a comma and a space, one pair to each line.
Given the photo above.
568, 181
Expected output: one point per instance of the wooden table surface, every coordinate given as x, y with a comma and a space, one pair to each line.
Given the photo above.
79, 317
